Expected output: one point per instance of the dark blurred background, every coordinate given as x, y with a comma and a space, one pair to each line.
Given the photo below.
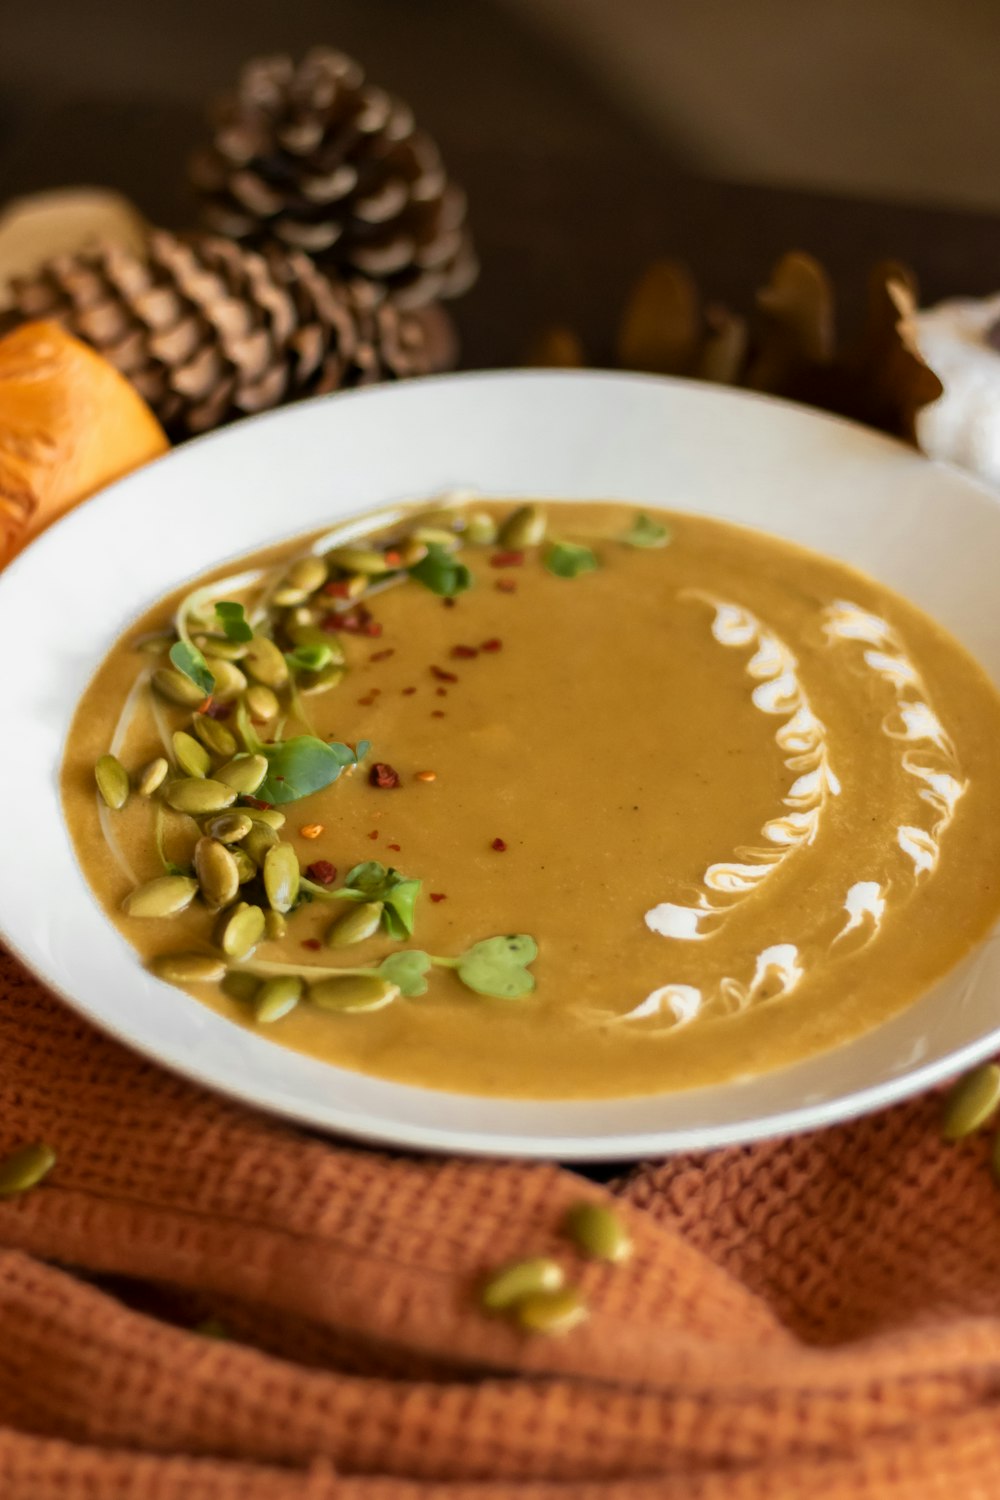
591, 135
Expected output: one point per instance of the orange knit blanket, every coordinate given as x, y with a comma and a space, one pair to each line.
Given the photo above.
812, 1317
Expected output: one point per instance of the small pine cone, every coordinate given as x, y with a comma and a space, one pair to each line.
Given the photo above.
207, 330
316, 158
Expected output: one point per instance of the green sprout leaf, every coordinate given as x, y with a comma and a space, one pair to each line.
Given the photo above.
232, 618
189, 660
371, 881
567, 560
645, 532
408, 970
309, 658
498, 966
441, 572
301, 766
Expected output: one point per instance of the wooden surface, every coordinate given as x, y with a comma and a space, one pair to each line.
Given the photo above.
569, 198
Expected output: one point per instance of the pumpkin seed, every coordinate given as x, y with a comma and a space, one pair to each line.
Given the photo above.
276, 998
221, 647
177, 688
598, 1232
193, 759
217, 872
359, 922
442, 517
163, 897
199, 797
112, 782
552, 1312
302, 579
152, 777
358, 560
313, 635
241, 986
972, 1102
229, 827
524, 528
522, 1278
25, 1168
188, 968
481, 529
262, 702
281, 877
435, 536
275, 926
412, 552
246, 868
271, 816
156, 645
353, 993
311, 683
240, 929
229, 680
265, 663
258, 841
244, 772
215, 736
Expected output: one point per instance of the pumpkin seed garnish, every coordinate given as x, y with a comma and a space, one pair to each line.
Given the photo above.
25, 1168
481, 529
241, 986
199, 796
229, 680
152, 777
258, 841
262, 702
112, 782
275, 926
552, 1312
215, 736
281, 877
229, 827
246, 869
244, 772
193, 759
188, 968
971, 1103
358, 560
272, 816
357, 924
276, 998
177, 688
221, 648
163, 897
302, 579
217, 871
265, 663
524, 528
353, 993
522, 1278
240, 929
598, 1232
311, 683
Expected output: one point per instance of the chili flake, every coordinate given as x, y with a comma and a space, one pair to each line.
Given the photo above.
408, 691
373, 834
427, 776
437, 713
499, 845
493, 644
464, 652
216, 710
449, 603
382, 774
441, 692
506, 585
311, 830
339, 589
322, 872
507, 559
442, 675
256, 802
313, 944
393, 558
438, 896
396, 848
383, 655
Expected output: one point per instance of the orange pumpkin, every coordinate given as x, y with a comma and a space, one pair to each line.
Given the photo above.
69, 425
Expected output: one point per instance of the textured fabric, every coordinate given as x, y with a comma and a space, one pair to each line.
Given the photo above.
815, 1316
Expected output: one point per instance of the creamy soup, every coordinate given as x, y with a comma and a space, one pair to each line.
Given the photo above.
642, 803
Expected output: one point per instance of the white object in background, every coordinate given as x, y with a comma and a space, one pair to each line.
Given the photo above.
35, 228
962, 425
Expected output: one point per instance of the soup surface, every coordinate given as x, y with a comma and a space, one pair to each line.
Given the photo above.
722, 802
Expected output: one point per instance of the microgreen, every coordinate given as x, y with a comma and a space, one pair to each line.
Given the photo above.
408, 969
232, 618
567, 560
498, 966
309, 658
645, 532
301, 766
372, 881
189, 660
441, 572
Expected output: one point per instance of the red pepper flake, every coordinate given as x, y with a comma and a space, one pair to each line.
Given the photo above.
382, 774
506, 559
313, 944
493, 644
449, 603
396, 848
506, 585
339, 589
322, 872
356, 621
442, 675
407, 692
464, 652
217, 710
498, 845
438, 896
437, 713
372, 628
367, 700
256, 802
393, 558
373, 834
383, 655
441, 692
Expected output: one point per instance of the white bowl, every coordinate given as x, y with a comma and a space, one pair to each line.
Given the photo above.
923, 529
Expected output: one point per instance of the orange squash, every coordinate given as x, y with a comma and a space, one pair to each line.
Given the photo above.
69, 425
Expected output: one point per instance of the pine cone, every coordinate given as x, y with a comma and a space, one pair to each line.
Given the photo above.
315, 157
207, 330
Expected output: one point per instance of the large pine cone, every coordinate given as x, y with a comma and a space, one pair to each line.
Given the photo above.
207, 330
315, 157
